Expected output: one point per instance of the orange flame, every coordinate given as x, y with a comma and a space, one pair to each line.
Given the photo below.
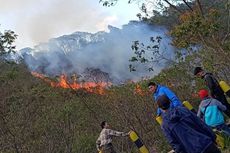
139, 91
98, 88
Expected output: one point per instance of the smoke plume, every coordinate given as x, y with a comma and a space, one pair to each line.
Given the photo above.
108, 52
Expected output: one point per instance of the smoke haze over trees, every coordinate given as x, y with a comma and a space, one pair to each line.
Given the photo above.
35, 117
108, 51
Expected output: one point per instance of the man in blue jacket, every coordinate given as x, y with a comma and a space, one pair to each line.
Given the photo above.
159, 90
184, 130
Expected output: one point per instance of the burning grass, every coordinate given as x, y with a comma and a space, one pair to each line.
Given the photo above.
92, 87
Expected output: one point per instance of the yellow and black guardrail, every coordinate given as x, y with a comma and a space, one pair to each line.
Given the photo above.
219, 140
134, 137
225, 87
159, 120
188, 105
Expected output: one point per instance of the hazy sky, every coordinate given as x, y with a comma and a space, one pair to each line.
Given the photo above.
39, 20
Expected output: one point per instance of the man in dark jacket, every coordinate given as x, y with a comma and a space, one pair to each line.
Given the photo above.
214, 87
185, 131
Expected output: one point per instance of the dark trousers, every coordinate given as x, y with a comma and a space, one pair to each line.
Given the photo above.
224, 101
212, 149
224, 128
108, 148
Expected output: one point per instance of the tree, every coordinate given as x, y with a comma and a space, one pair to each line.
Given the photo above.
157, 4
209, 31
192, 24
148, 54
7, 39
162, 12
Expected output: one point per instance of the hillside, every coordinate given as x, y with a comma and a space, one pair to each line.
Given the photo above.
38, 114
36, 117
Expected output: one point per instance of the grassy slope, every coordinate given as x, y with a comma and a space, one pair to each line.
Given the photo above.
38, 118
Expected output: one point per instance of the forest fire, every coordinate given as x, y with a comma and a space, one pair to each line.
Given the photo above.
139, 91
92, 87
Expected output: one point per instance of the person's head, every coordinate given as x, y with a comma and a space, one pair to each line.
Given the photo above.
163, 102
152, 86
104, 124
199, 72
203, 94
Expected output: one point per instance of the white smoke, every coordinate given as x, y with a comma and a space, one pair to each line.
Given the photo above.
108, 51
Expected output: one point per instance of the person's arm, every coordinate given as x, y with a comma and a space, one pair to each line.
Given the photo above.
211, 85
219, 105
172, 96
117, 133
199, 113
159, 112
158, 109
98, 142
177, 147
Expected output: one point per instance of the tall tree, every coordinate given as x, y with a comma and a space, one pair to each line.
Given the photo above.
192, 23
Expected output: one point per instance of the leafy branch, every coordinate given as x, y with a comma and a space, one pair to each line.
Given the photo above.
6, 42
148, 54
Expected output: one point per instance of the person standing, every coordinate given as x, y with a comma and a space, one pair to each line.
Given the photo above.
185, 132
210, 110
159, 90
104, 141
214, 87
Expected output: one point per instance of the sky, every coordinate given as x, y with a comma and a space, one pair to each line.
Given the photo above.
36, 21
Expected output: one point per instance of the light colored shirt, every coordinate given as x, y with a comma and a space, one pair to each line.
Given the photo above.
106, 135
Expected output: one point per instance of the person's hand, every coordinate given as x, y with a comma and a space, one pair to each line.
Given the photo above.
159, 111
129, 132
99, 149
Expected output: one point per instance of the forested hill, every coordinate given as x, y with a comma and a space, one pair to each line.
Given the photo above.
38, 117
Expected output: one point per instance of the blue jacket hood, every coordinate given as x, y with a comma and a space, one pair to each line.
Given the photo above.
173, 115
